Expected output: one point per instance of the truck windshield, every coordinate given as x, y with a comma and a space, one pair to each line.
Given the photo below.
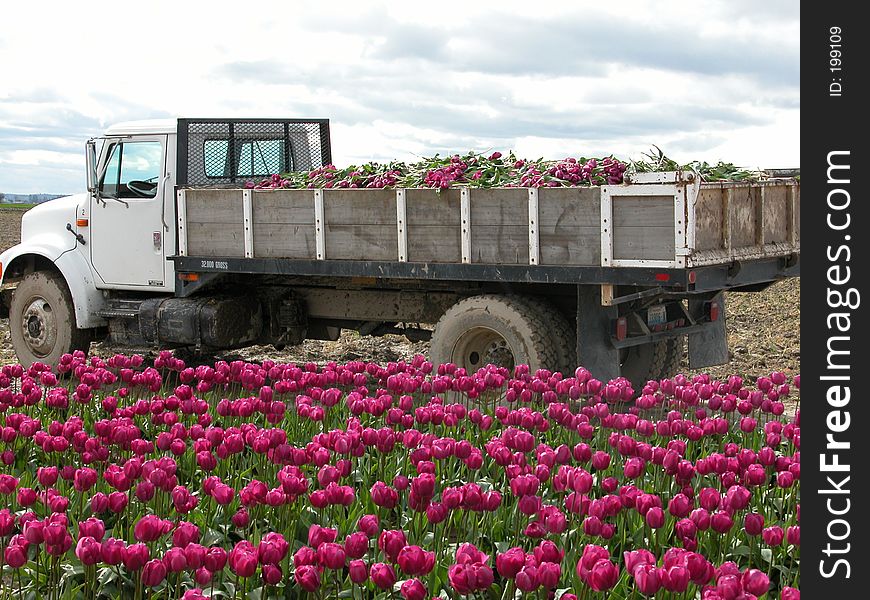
137, 162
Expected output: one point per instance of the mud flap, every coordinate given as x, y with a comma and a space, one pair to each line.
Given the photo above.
595, 351
709, 346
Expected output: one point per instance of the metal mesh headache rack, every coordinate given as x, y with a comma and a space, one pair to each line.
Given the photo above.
229, 152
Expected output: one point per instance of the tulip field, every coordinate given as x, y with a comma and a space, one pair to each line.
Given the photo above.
126, 479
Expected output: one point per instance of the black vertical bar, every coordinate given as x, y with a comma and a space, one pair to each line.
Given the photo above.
325, 144
232, 148
181, 152
287, 166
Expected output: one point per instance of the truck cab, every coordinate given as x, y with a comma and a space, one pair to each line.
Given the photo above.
80, 254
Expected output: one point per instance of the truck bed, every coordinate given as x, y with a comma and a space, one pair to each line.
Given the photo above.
660, 220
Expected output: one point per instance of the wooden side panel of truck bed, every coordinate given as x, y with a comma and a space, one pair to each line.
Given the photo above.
674, 224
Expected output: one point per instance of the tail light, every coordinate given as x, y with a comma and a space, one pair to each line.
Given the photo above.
188, 277
713, 310
621, 328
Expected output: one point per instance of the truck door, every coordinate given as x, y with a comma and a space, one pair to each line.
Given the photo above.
128, 238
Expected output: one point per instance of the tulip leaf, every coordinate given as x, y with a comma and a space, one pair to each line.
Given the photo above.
212, 537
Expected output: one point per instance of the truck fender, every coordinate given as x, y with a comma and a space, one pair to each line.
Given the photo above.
72, 266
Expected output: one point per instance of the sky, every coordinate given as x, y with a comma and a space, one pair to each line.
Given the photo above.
711, 80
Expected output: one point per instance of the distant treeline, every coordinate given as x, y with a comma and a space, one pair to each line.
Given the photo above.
27, 198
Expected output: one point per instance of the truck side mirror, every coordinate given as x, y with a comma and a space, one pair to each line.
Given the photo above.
91, 160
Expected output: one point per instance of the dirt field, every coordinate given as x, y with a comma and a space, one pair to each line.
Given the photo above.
763, 331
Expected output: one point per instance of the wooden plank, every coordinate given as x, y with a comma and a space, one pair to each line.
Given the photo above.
214, 206
362, 241
435, 243
643, 243
501, 206
565, 208
744, 201
643, 211
581, 247
777, 214
643, 228
360, 207
432, 207
607, 295
285, 240
500, 226
796, 214
726, 220
569, 221
433, 224
360, 224
283, 206
216, 239
500, 244
759, 215
709, 218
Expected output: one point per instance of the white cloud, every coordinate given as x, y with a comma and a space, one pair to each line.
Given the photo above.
715, 80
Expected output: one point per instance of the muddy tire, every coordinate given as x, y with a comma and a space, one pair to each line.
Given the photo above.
502, 330
42, 320
562, 333
652, 361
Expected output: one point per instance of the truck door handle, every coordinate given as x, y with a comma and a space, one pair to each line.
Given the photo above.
79, 237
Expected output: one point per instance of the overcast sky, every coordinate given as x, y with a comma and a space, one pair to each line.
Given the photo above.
703, 80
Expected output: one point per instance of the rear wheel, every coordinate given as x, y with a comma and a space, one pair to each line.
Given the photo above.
659, 360
502, 330
562, 333
42, 320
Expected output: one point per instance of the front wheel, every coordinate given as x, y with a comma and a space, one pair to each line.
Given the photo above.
42, 320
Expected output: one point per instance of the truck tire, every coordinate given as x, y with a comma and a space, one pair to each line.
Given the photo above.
42, 320
652, 361
502, 330
563, 334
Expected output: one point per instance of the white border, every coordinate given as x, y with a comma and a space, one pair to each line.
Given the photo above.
319, 225
402, 224
247, 211
465, 223
682, 222
182, 223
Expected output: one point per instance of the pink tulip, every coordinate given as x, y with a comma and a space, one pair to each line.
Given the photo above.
358, 571
647, 578
790, 593
413, 589
603, 575
382, 575
308, 578
413, 560
332, 555
153, 573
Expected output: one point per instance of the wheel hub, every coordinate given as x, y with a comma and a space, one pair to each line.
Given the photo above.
39, 326
480, 346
